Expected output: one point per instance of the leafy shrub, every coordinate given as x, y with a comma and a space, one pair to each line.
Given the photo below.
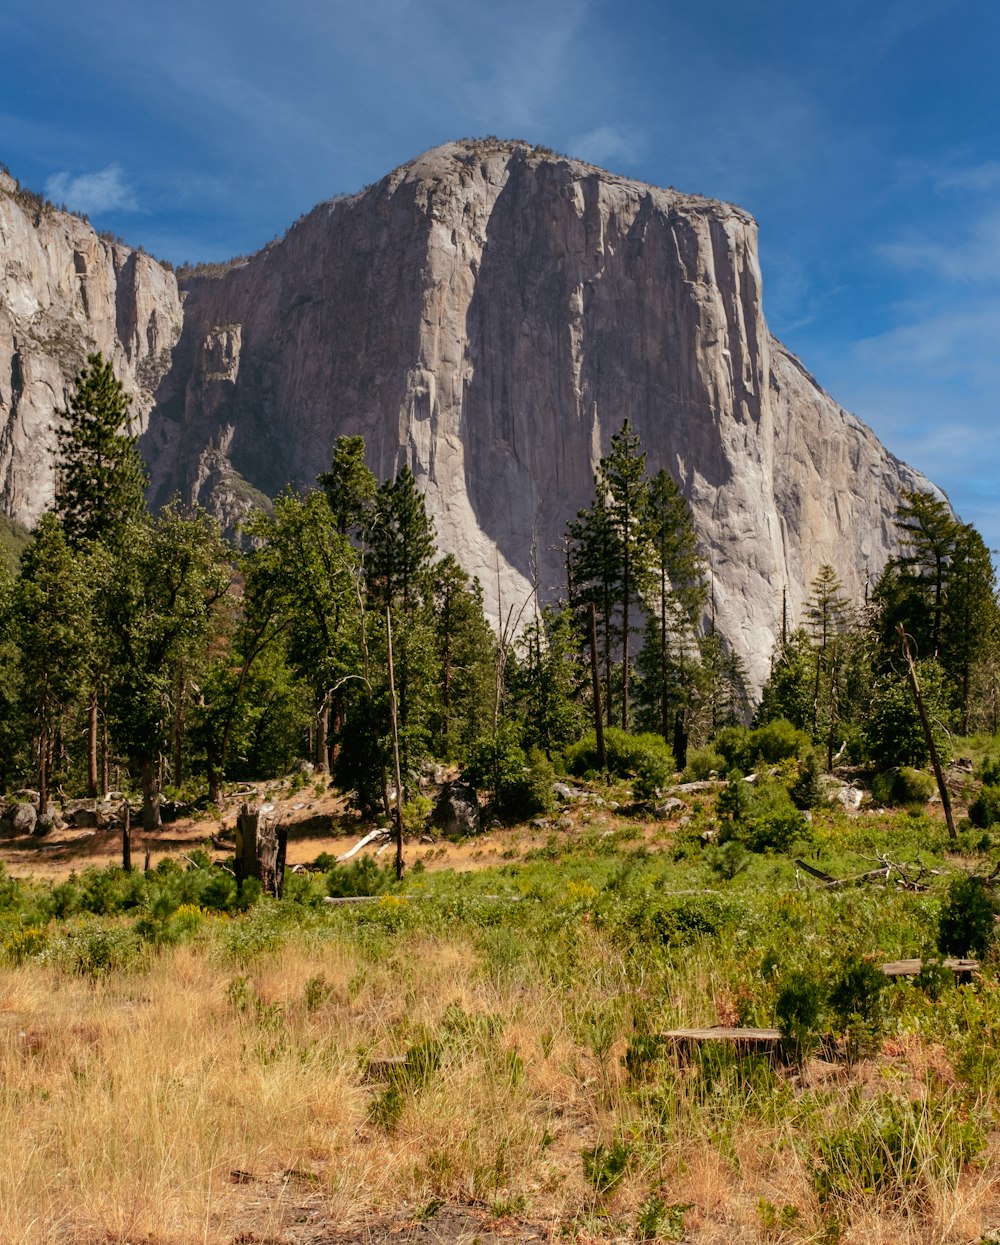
799, 1010
989, 770
893, 732
627, 754
761, 817
702, 763
807, 790
94, 950
857, 1004
902, 785
984, 811
966, 922
604, 1166
769, 744
361, 876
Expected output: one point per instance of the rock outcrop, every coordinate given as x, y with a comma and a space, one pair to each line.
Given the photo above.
66, 292
488, 314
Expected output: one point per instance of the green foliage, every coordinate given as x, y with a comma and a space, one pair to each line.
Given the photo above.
892, 1145
703, 763
361, 876
627, 754
984, 811
521, 783
893, 732
903, 785
857, 1003
777, 740
800, 1011
605, 1166
761, 816
100, 477
966, 925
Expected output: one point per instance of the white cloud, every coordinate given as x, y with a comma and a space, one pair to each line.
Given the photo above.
606, 145
974, 255
93, 193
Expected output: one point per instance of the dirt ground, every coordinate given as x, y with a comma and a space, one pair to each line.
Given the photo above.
315, 824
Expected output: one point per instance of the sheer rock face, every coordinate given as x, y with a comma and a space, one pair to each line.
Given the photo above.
65, 293
490, 314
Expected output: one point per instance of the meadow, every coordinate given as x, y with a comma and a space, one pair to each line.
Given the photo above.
479, 1051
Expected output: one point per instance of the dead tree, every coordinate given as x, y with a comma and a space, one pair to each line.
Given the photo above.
260, 850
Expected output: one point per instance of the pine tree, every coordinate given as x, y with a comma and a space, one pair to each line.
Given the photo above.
349, 486
675, 596
400, 545
827, 617
608, 544
100, 475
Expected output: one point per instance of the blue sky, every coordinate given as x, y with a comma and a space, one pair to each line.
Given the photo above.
864, 137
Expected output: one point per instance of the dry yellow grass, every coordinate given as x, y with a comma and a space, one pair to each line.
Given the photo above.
219, 1100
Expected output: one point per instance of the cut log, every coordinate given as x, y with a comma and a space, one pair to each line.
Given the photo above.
963, 969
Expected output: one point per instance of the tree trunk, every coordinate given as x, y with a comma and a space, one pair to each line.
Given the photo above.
322, 731
150, 796
43, 772
395, 748
105, 775
92, 746
260, 850
602, 756
127, 839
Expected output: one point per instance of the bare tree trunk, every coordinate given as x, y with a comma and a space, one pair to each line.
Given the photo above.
92, 746
602, 756
322, 731
395, 749
105, 775
260, 850
150, 796
928, 734
127, 839
43, 772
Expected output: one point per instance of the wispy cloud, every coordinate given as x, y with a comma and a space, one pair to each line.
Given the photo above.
607, 145
972, 255
93, 193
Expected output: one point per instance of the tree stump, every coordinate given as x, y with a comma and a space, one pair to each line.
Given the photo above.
260, 850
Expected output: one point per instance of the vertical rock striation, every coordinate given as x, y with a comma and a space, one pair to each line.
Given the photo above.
66, 292
488, 314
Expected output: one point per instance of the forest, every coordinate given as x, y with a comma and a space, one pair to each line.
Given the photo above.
496, 1044
147, 653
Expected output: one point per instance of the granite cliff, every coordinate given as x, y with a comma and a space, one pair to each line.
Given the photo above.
489, 314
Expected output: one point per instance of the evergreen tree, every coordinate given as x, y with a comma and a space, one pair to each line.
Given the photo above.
53, 611
349, 486
400, 545
549, 681
100, 476
306, 574
465, 650
608, 545
827, 617
165, 595
675, 596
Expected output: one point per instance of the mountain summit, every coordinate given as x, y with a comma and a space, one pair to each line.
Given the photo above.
488, 314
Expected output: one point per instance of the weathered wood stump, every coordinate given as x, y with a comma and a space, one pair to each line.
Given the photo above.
963, 969
744, 1041
260, 850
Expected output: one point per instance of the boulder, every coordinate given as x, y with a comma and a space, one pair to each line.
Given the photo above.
22, 818
456, 810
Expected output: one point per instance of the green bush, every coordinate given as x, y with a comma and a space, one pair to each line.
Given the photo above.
984, 811
989, 770
627, 754
769, 744
799, 1010
702, 763
893, 1145
857, 1004
807, 790
902, 785
966, 922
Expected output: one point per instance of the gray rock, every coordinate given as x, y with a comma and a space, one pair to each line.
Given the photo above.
489, 314
562, 791
23, 818
456, 810
669, 807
